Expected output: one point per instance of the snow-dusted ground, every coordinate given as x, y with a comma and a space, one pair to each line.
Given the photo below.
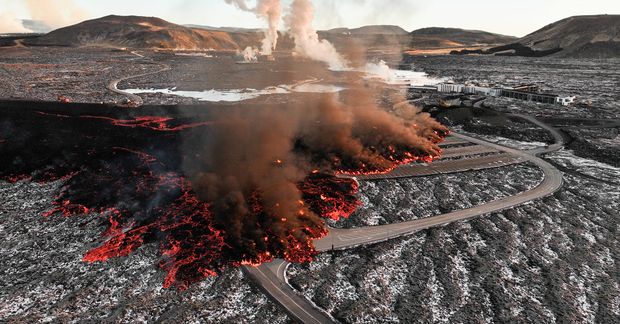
520, 145
556, 259
42, 278
391, 201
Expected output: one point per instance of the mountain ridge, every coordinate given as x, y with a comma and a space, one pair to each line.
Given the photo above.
590, 36
153, 32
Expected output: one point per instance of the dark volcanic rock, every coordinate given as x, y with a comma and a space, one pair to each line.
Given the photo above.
43, 278
556, 259
595, 36
139, 32
599, 144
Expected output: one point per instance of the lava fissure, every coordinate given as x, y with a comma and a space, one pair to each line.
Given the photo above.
247, 186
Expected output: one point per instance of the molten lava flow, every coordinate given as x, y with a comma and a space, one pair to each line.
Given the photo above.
329, 196
156, 123
244, 188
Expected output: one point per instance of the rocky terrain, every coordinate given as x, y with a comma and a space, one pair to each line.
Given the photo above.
392, 201
603, 144
554, 260
43, 277
82, 75
484, 121
596, 36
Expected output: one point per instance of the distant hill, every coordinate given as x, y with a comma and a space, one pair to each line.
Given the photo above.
595, 36
455, 37
374, 37
226, 29
141, 32
151, 32
369, 30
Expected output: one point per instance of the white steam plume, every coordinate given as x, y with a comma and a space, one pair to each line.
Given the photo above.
299, 23
271, 11
250, 54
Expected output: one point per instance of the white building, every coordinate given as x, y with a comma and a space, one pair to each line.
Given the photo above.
565, 101
450, 88
459, 88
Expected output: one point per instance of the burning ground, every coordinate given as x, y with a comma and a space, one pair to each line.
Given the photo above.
214, 188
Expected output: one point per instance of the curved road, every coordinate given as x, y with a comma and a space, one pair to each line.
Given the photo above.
272, 277
348, 238
137, 100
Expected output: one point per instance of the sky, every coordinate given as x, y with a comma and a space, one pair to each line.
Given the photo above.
515, 18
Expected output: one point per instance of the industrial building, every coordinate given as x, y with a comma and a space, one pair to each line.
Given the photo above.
530, 96
524, 92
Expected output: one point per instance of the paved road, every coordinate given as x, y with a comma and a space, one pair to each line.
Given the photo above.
451, 140
446, 167
453, 152
272, 277
557, 136
135, 99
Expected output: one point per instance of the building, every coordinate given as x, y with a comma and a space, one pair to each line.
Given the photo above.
424, 89
450, 88
483, 91
565, 101
530, 96
527, 88
527, 92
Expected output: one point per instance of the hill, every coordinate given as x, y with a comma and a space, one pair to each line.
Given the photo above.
455, 37
596, 36
369, 30
141, 32
151, 32
375, 37
581, 36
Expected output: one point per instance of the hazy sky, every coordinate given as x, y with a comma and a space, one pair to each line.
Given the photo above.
505, 17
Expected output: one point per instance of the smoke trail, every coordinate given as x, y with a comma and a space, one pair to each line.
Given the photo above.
299, 22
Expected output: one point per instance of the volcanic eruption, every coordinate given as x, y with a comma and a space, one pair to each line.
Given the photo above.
228, 186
